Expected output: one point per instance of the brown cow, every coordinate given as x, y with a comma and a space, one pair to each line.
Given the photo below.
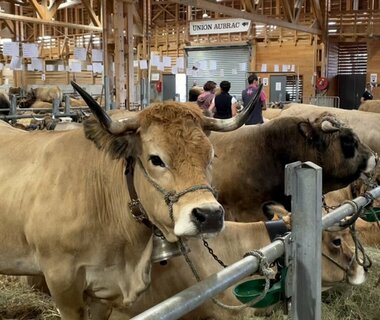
73, 224
365, 124
230, 245
249, 165
370, 106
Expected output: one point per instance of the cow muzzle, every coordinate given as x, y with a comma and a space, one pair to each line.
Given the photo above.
208, 219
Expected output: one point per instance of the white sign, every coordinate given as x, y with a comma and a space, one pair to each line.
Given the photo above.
80, 54
278, 86
75, 66
373, 77
29, 50
37, 64
11, 49
97, 55
15, 63
97, 67
265, 82
219, 26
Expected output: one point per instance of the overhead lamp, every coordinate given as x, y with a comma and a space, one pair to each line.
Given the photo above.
205, 15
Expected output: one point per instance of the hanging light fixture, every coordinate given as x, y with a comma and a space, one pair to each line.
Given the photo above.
205, 15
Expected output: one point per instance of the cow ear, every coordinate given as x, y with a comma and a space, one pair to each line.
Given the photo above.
307, 130
118, 146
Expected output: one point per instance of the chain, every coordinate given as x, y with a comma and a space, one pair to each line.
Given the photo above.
205, 243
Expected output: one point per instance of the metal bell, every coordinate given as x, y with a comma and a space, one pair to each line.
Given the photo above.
163, 250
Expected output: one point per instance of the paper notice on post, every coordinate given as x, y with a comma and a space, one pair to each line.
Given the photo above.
97, 55
80, 54
15, 63
30, 50
11, 49
97, 67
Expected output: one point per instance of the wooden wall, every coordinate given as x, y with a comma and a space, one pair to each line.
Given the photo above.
300, 54
373, 66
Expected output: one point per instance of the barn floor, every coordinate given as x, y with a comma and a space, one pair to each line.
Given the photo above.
18, 301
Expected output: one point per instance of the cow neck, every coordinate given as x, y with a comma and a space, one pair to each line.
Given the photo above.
134, 205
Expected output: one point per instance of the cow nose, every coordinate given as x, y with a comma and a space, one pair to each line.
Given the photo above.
208, 219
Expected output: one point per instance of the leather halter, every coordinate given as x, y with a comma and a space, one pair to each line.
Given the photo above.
134, 204
170, 197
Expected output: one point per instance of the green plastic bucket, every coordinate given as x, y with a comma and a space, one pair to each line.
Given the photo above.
371, 215
249, 290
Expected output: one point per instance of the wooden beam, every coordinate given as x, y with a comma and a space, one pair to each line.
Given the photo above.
297, 10
130, 68
14, 17
316, 7
52, 10
41, 11
118, 34
248, 5
256, 18
94, 18
138, 24
287, 10
10, 25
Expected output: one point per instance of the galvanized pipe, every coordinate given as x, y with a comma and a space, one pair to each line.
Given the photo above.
26, 116
347, 209
190, 298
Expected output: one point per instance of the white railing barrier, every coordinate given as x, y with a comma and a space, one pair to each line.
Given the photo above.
323, 101
303, 283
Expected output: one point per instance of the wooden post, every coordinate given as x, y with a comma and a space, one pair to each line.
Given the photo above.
130, 68
118, 27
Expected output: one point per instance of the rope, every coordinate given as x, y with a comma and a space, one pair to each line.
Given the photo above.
364, 261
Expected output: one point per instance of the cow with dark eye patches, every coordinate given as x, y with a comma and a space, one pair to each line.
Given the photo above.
249, 163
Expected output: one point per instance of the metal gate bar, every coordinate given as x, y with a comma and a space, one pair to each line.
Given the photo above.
192, 297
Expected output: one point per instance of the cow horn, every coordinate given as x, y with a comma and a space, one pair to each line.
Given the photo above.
231, 124
113, 127
329, 126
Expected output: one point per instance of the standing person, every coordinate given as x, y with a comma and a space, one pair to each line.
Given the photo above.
205, 99
367, 95
224, 104
247, 94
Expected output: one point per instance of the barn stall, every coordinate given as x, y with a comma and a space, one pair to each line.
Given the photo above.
130, 54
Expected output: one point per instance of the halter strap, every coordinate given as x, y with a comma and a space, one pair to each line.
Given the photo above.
170, 197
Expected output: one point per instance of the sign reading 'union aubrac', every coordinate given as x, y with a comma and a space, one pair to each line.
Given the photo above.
219, 26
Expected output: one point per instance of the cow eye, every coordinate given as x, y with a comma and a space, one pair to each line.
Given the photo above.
337, 242
156, 161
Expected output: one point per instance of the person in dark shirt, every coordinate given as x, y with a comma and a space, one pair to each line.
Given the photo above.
367, 95
224, 105
247, 94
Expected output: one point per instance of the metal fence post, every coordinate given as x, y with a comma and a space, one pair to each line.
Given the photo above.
56, 105
67, 104
303, 181
13, 107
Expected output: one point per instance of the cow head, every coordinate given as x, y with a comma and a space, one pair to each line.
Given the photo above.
172, 154
338, 259
339, 263
351, 158
30, 98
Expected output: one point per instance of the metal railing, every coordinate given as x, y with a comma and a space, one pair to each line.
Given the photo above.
323, 101
56, 110
302, 249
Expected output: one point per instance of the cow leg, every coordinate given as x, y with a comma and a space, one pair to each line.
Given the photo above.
99, 310
67, 292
